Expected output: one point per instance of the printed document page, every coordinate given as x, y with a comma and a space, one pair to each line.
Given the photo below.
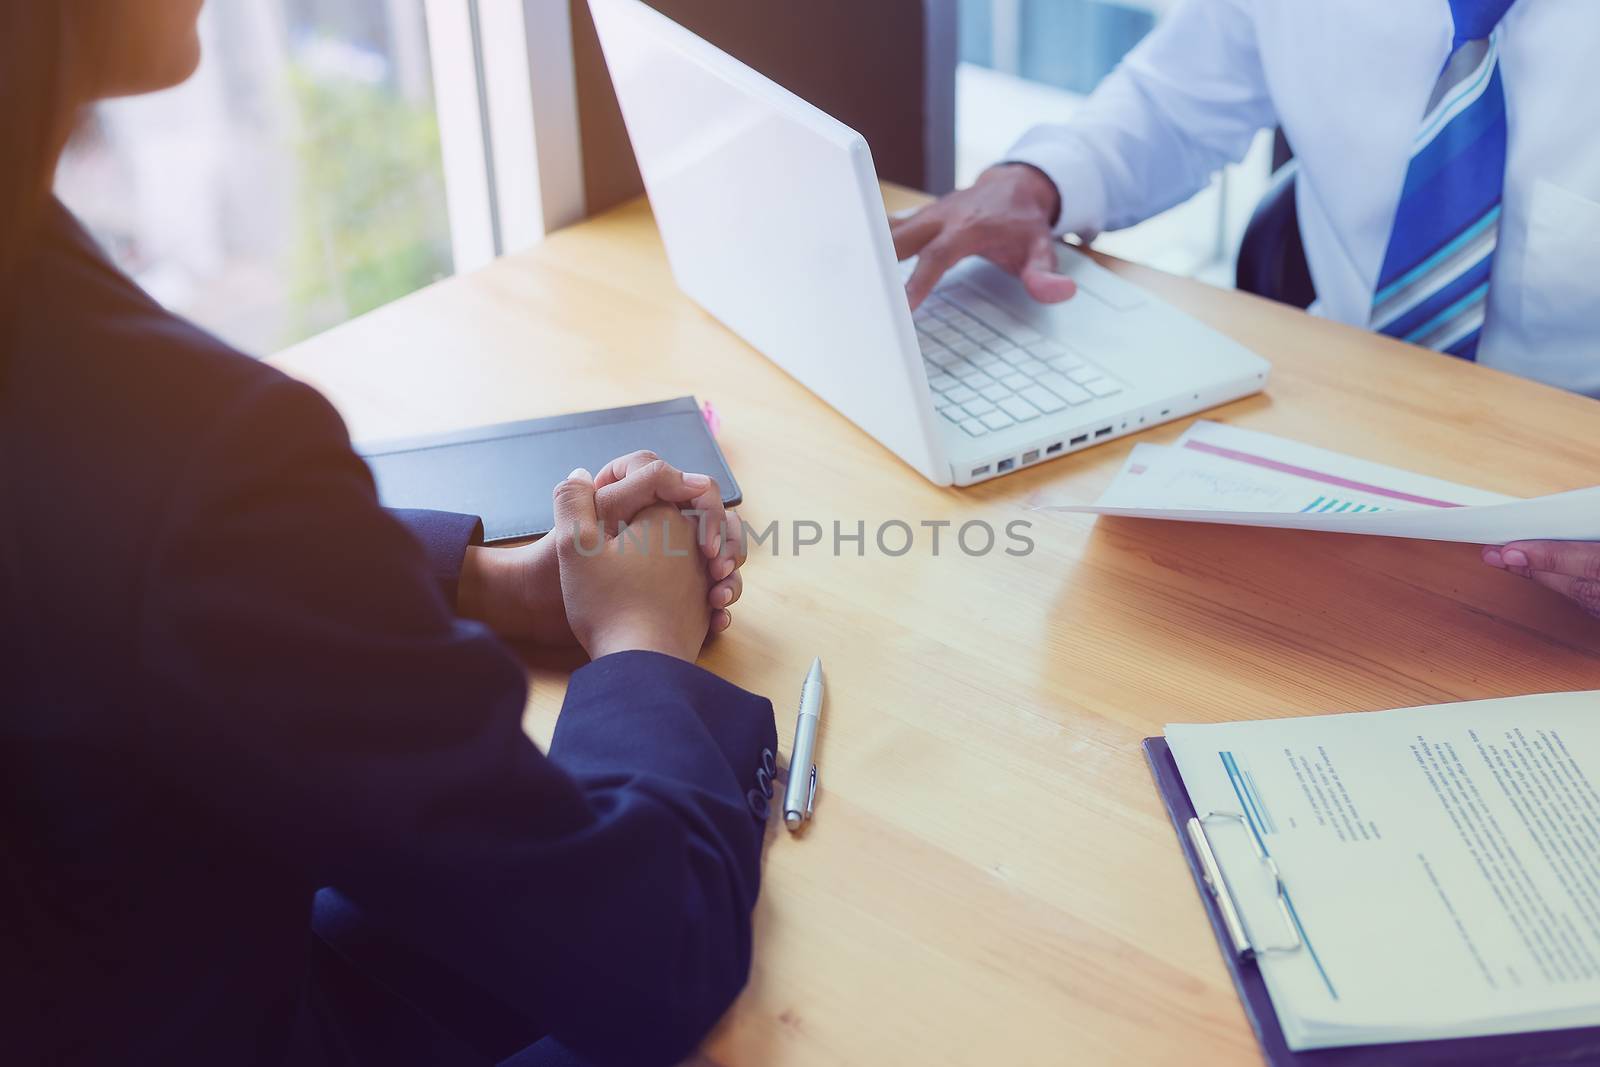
1221, 474
1440, 866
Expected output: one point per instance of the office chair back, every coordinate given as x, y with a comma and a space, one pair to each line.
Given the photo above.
1272, 256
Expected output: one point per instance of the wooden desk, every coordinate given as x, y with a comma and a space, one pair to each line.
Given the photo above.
990, 878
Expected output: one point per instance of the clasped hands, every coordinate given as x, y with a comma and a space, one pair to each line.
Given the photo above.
663, 583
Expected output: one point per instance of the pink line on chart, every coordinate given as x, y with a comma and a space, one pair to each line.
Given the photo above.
1316, 476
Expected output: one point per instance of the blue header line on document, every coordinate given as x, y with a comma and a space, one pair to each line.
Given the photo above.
1244, 786
1244, 789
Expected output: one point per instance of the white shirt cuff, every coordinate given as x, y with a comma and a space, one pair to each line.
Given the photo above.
1067, 162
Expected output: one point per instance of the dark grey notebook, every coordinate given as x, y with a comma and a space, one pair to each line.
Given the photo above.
504, 474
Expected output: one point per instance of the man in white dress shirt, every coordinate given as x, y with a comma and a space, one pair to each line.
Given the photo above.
1448, 189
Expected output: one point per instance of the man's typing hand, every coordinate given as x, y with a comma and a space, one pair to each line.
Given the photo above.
1006, 217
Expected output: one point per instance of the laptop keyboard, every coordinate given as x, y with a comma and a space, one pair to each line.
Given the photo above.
990, 371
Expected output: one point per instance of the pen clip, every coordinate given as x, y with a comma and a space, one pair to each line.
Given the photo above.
811, 793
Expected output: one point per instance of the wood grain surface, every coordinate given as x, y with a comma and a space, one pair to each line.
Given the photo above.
990, 878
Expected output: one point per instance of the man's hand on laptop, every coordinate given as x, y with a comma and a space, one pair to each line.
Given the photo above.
1005, 217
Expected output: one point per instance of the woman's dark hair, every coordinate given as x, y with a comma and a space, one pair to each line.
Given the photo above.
35, 119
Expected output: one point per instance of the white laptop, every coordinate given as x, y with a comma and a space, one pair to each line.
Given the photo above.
773, 221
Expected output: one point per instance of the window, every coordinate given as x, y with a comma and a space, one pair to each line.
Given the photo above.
330, 156
295, 181
1029, 61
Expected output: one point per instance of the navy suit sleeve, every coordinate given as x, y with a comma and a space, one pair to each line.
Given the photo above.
322, 701
445, 538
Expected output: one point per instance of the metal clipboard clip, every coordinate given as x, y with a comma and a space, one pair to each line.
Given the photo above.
1243, 944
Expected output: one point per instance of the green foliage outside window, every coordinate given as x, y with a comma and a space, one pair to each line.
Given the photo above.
371, 205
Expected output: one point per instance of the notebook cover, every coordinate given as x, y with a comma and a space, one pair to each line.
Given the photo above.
1540, 1049
504, 474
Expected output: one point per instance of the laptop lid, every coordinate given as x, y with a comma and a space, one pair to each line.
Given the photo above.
774, 223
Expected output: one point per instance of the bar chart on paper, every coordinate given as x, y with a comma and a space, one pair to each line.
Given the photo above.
1325, 504
1221, 474
1216, 466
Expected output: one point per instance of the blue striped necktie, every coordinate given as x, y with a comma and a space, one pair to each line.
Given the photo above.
1434, 285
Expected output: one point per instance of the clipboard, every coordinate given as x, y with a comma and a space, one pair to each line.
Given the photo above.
1545, 1048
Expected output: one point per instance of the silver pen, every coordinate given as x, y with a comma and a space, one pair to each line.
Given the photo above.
800, 797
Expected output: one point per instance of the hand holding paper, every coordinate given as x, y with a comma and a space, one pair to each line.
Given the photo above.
1571, 568
1221, 474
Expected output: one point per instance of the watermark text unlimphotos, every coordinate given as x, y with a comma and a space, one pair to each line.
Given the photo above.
892, 538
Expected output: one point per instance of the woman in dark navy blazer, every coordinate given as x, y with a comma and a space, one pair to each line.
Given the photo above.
265, 795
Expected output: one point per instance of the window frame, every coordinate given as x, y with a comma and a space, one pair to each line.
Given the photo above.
506, 95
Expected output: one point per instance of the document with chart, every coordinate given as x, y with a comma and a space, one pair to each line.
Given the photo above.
1438, 869
1221, 474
